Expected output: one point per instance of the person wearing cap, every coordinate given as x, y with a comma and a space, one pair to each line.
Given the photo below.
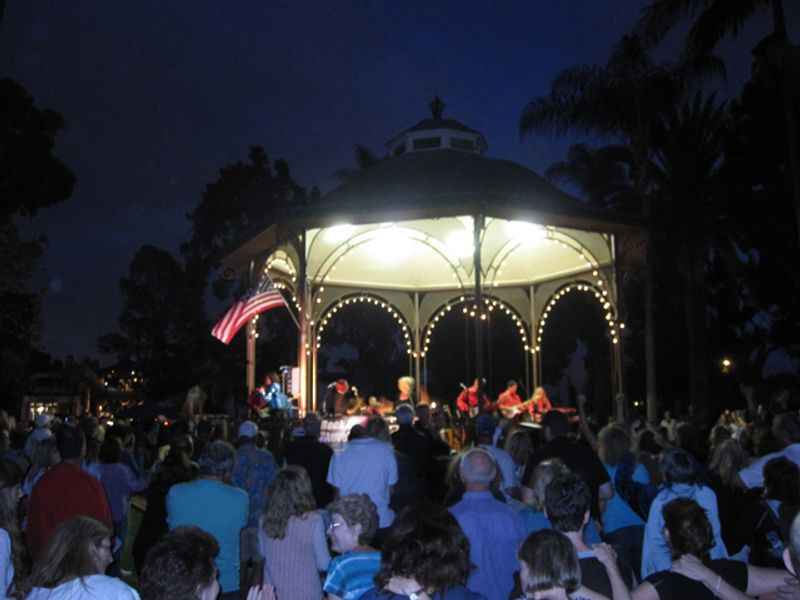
254, 470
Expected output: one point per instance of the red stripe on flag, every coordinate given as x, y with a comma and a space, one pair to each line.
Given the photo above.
244, 310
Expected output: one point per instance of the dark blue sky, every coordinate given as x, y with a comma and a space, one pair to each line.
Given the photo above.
159, 95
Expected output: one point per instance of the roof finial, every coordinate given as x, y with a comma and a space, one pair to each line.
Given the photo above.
437, 108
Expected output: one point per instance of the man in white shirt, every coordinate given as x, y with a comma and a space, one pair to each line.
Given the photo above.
786, 429
368, 466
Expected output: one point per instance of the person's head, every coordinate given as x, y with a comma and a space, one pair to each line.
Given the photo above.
404, 414
71, 442
405, 385
484, 428
290, 495
217, 460
477, 469
111, 450
378, 429
44, 454
423, 412
646, 442
782, 481
786, 429
271, 377
512, 386
727, 460
78, 548
248, 432
687, 528
678, 466
554, 424
548, 562
181, 567
426, 543
312, 425
354, 521
543, 474
519, 445
567, 502
613, 444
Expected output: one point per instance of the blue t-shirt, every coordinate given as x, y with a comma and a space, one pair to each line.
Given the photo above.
618, 513
351, 574
218, 509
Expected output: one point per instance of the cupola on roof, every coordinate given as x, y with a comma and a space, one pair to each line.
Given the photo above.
437, 133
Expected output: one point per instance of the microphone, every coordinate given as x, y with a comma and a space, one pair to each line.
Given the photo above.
463, 387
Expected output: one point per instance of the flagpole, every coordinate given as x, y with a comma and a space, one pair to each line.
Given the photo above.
268, 280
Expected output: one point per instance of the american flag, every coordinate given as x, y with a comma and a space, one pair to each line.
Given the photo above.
244, 310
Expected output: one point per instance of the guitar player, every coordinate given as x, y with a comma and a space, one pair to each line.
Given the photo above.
511, 405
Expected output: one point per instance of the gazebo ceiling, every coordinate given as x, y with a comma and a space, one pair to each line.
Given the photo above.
433, 254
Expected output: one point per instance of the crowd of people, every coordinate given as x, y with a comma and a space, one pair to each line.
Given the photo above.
263, 509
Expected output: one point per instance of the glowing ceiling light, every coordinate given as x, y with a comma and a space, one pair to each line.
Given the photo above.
459, 244
391, 244
527, 234
339, 233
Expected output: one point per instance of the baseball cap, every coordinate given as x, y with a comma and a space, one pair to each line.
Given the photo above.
248, 429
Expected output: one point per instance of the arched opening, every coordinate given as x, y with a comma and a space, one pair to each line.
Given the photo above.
364, 339
449, 342
576, 340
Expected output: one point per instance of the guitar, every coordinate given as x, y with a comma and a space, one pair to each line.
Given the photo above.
510, 412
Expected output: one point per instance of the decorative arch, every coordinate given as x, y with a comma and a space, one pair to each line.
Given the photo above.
368, 298
599, 290
491, 303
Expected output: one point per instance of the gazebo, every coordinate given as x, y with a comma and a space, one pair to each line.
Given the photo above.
438, 226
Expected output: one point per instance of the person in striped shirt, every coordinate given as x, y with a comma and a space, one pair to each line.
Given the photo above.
354, 521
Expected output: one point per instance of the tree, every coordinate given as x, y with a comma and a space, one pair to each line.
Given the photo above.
365, 159
31, 178
777, 59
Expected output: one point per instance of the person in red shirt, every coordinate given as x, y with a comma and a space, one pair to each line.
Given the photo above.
473, 400
64, 492
510, 404
541, 403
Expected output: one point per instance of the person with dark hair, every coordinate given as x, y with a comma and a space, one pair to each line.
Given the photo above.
212, 504
119, 481
177, 467
494, 529
64, 492
354, 521
72, 566
567, 501
415, 450
368, 466
181, 567
291, 537
692, 573
425, 556
577, 456
779, 504
315, 457
681, 480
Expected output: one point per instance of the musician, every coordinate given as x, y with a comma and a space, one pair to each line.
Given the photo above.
541, 403
336, 400
406, 385
269, 396
473, 400
510, 404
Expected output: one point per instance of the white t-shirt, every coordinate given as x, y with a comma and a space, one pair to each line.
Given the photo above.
366, 466
93, 587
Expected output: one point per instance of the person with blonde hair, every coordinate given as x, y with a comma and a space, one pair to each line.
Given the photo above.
291, 537
72, 566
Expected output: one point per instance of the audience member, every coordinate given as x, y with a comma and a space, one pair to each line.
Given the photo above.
354, 521
426, 555
786, 431
216, 507
315, 457
119, 481
493, 528
254, 470
368, 466
64, 492
291, 538
72, 565
12, 546
485, 426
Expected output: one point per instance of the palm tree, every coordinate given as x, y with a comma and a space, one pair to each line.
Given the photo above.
712, 20
623, 100
602, 174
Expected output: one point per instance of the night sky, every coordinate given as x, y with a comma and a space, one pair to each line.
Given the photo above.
158, 96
